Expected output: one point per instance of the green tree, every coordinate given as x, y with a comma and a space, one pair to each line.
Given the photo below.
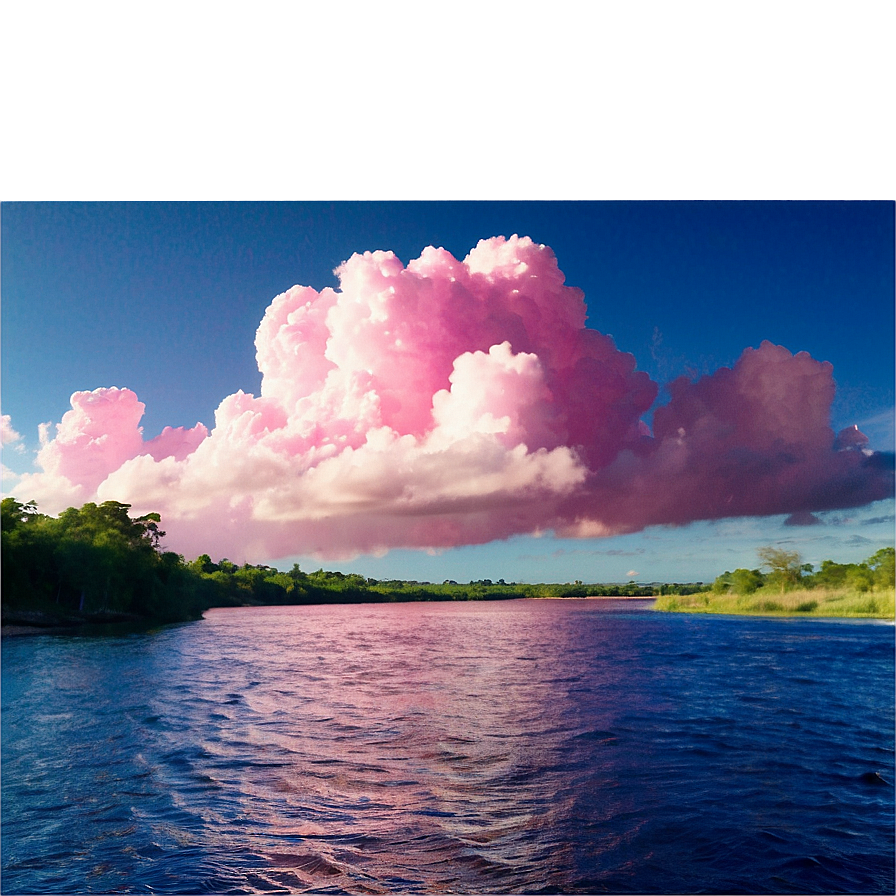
830, 575
92, 559
14, 514
26, 543
859, 577
785, 567
111, 559
746, 581
203, 564
883, 565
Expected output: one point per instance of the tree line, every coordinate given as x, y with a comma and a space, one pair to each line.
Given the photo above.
96, 562
784, 570
92, 562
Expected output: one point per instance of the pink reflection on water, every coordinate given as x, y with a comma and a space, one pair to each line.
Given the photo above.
383, 732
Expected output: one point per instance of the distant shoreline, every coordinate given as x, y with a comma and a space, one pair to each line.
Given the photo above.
590, 597
36, 623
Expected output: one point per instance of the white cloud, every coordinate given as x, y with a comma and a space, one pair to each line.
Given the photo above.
8, 436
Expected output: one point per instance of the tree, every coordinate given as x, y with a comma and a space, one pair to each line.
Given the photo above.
94, 559
203, 564
830, 575
746, 581
785, 567
741, 581
883, 563
859, 577
26, 543
14, 513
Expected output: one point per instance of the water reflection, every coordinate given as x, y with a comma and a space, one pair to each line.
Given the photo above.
493, 747
431, 740
402, 737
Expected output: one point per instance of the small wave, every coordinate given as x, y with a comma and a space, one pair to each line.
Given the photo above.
552, 752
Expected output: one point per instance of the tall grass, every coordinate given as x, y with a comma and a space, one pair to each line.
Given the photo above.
803, 602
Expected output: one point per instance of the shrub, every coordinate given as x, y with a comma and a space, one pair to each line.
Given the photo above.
746, 581
860, 577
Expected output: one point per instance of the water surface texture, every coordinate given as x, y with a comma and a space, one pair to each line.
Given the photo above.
503, 747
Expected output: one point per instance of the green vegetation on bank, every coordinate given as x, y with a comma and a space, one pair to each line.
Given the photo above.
92, 563
97, 563
785, 586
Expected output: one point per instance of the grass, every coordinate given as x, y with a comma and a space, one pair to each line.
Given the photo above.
815, 602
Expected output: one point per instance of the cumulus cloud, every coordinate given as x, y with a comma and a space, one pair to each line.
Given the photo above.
451, 402
8, 436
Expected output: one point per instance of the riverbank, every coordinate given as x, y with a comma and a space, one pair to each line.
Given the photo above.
830, 603
26, 622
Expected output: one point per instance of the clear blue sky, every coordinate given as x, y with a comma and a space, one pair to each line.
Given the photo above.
599, 101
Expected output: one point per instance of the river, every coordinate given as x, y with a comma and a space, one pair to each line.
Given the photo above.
539, 746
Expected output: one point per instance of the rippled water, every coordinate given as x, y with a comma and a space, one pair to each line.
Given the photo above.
521, 746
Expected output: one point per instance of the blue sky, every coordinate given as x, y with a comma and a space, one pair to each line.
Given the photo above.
607, 101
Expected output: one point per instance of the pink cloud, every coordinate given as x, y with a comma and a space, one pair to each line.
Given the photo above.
94, 439
176, 442
753, 440
447, 402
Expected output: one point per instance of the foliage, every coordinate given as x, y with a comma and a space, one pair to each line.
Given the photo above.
91, 562
741, 581
785, 567
98, 562
785, 572
835, 589
815, 602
